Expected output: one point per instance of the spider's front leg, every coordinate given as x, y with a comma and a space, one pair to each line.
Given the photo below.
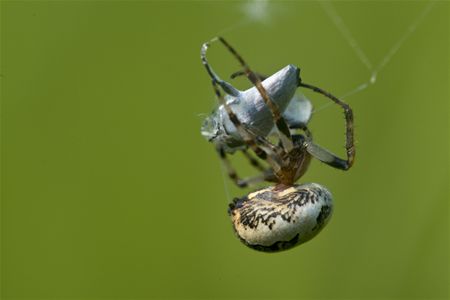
321, 153
242, 73
262, 148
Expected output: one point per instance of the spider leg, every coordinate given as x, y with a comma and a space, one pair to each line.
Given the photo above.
242, 73
307, 132
280, 123
266, 175
255, 163
323, 154
262, 148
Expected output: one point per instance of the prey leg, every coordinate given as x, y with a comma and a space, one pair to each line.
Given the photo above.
323, 154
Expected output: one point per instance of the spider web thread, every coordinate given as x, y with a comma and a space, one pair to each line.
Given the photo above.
342, 28
339, 23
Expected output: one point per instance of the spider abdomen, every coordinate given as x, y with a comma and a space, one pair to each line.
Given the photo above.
281, 217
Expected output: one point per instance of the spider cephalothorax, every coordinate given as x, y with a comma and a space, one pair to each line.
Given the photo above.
282, 216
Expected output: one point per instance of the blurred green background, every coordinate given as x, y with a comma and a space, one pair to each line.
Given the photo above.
110, 192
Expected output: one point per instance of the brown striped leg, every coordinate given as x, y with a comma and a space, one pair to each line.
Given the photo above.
262, 148
280, 123
255, 163
242, 73
308, 133
266, 175
323, 154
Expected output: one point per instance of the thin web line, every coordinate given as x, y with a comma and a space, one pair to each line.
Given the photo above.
339, 23
234, 27
261, 8
412, 27
346, 33
385, 60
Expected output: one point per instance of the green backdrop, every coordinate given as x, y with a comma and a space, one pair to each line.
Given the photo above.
110, 192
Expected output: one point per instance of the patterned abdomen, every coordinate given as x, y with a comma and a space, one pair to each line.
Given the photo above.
281, 217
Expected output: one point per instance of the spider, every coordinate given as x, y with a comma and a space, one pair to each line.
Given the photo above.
286, 214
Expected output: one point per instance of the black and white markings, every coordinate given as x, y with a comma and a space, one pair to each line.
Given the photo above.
281, 217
